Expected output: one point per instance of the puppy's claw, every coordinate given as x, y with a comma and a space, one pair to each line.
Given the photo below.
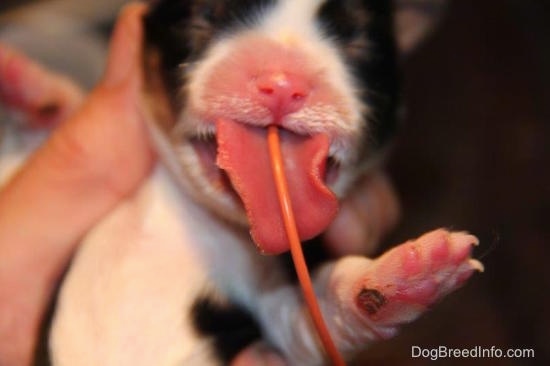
477, 265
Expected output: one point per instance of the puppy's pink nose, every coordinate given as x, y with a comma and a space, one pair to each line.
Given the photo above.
282, 93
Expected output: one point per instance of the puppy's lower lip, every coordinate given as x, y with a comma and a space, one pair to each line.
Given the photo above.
206, 148
332, 171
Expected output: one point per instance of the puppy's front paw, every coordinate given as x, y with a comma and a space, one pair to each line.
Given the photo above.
373, 297
406, 280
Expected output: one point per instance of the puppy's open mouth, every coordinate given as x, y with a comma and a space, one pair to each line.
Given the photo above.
206, 148
235, 161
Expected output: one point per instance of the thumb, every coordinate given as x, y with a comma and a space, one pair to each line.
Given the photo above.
124, 63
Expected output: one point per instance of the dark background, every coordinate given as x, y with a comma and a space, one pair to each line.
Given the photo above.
8, 4
474, 155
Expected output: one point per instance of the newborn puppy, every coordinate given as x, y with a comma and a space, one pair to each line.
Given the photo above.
153, 281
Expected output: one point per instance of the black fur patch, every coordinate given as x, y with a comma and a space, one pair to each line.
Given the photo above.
315, 254
181, 30
363, 29
230, 327
42, 350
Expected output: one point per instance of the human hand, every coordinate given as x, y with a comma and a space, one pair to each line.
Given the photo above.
92, 160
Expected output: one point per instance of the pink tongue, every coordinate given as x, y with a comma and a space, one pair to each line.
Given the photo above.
243, 154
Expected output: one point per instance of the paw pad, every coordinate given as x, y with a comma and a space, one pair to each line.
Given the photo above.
371, 300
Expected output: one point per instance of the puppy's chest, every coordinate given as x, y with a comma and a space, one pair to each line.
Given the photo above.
147, 276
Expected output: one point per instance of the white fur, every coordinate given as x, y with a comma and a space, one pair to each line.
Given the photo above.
293, 22
125, 280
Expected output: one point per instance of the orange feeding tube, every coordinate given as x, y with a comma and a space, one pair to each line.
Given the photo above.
296, 247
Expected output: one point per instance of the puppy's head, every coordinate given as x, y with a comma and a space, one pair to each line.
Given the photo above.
315, 68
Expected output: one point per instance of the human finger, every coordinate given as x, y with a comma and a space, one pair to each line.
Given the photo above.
364, 217
42, 96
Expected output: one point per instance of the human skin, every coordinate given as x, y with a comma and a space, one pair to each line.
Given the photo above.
41, 207
41, 215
